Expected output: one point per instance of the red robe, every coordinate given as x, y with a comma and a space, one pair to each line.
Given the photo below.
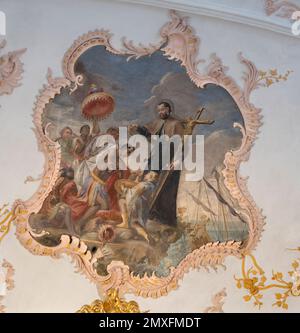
78, 205
113, 213
69, 195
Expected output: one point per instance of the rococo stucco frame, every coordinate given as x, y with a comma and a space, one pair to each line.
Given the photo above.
179, 43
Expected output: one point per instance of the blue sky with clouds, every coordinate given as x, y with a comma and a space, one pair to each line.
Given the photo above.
138, 85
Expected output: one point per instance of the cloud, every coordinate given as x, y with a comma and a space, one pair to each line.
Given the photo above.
60, 116
178, 88
216, 145
187, 98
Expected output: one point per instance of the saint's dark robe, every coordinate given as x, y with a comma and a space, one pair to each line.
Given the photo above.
163, 207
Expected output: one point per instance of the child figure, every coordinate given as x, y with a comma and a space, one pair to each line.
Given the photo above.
133, 197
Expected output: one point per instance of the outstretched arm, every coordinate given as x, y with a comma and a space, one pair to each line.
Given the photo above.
119, 184
138, 129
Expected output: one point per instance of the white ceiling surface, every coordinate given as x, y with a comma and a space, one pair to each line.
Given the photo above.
47, 29
246, 12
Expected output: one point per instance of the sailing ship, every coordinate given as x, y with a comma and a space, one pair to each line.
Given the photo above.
208, 203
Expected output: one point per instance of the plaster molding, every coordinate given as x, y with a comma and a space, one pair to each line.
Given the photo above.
9, 280
178, 42
255, 282
251, 18
281, 8
11, 69
217, 301
111, 304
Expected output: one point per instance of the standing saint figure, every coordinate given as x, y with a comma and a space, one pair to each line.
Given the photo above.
163, 208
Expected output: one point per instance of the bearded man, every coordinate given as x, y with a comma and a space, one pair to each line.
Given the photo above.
163, 203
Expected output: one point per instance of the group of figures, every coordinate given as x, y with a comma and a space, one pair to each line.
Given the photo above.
116, 211
152, 218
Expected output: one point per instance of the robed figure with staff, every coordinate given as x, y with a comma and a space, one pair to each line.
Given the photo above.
162, 204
